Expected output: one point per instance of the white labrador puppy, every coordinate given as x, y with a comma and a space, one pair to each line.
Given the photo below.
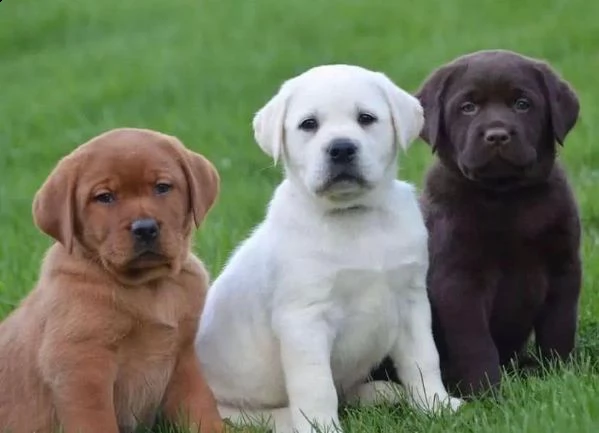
334, 278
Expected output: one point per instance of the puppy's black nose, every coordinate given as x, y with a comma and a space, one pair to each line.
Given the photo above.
497, 136
145, 230
342, 151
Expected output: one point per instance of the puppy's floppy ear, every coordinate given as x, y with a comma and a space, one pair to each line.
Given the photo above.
406, 111
269, 123
564, 106
54, 204
432, 97
203, 181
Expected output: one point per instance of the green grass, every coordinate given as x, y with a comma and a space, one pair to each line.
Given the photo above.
200, 69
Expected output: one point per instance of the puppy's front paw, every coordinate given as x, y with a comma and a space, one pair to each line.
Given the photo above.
455, 403
440, 402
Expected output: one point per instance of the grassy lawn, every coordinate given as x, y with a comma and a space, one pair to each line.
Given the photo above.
200, 69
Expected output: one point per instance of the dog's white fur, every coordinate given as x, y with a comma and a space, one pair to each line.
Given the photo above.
334, 278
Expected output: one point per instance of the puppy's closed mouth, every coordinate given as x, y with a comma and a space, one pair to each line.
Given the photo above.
346, 177
147, 259
497, 180
140, 267
343, 179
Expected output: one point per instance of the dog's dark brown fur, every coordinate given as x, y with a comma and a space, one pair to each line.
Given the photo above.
503, 223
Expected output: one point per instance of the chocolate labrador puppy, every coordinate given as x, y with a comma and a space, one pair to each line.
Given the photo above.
503, 222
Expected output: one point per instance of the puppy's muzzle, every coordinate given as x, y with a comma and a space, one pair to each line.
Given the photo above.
343, 168
145, 232
342, 151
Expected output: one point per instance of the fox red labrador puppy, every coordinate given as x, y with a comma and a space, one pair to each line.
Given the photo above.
104, 342
504, 227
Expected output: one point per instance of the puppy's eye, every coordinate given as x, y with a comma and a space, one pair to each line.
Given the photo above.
162, 188
522, 105
469, 108
366, 119
104, 198
309, 124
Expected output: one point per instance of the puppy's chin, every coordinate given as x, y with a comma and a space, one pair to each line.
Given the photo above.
498, 176
140, 268
341, 184
344, 186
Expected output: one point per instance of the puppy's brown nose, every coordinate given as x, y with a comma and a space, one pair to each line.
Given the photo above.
145, 230
497, 136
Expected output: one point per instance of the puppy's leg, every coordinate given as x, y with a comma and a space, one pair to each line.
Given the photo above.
415, 354
472, 358
81, 378
188, 398
555, 328
305, 345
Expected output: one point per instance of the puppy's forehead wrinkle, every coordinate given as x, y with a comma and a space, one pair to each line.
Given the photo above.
123, 183
494, 82
332, 101
130, 169
333, 98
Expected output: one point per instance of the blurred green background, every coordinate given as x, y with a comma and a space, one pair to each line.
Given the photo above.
70, 69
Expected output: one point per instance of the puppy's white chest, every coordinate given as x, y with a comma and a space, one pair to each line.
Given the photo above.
361, 300
369, 296
365, 314
369, 271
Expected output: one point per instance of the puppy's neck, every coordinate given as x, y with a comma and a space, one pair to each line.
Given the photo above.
355, 209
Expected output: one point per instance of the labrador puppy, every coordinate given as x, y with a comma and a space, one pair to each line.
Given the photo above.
104, 342
334, 277
503, 222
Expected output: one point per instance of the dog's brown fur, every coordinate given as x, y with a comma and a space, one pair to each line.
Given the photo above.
504, 228
104, 342
503, 222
